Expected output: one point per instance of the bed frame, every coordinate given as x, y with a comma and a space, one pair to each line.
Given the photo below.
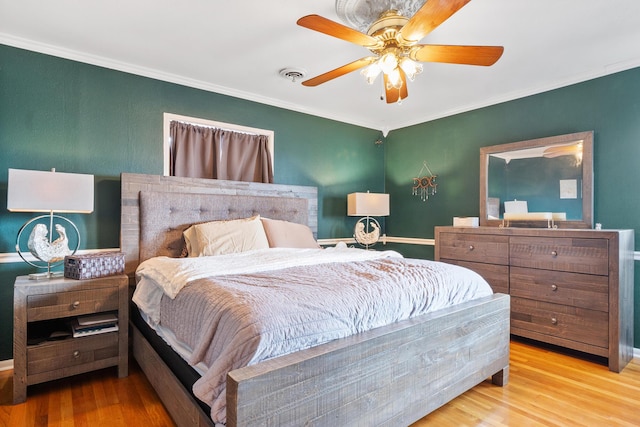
393, 375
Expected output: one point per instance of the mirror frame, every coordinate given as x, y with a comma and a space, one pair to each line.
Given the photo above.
587, 178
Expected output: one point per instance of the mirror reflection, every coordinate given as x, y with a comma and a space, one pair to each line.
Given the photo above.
538, 181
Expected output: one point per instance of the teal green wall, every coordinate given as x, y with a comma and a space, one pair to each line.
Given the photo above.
610, 106
86, 119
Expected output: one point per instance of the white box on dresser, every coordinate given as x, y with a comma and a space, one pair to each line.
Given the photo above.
571, 288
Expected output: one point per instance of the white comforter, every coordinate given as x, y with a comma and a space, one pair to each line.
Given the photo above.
167, 276
239, 310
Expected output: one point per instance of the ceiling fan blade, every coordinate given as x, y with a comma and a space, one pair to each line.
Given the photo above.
468, 55
392, 94
340, 71
429, 17
334, 29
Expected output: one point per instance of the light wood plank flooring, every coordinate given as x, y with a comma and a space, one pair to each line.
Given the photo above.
546, 388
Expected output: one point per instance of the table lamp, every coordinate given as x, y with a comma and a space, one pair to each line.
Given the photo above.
367, 205
51, 192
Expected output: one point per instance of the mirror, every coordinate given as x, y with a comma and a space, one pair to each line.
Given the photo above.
545, 182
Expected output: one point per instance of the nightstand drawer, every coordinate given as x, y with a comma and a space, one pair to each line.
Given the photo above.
536, 319
71, 353
590, 256
483, 248
73, 303
574, 289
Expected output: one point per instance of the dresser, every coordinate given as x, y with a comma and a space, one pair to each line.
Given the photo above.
570, 288
43, 346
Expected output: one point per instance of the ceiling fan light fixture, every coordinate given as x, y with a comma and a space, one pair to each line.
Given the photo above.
388, 62
394, 80
371, 72
410, 67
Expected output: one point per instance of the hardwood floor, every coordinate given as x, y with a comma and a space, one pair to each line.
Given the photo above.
97, 399
546, 388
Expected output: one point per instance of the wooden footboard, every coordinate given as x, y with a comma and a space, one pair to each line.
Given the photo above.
392, 375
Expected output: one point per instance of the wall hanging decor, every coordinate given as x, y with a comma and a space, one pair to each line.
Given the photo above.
424, 185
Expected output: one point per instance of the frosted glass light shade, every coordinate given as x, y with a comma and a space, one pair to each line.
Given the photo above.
368, 204
43, 191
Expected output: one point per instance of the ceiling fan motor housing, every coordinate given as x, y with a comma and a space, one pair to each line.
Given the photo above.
389, 22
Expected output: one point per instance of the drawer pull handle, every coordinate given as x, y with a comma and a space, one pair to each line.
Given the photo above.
471, 247
554, 321
76, 354
75, 305
554, 253
554, 288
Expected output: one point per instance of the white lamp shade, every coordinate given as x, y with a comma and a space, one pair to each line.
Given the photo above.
43, 191
367, 204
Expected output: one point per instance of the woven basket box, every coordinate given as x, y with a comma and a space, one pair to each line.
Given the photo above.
95, 265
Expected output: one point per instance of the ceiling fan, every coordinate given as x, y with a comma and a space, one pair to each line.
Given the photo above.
393, 40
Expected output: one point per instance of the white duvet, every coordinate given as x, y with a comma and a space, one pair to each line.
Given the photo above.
167, 276
238, 310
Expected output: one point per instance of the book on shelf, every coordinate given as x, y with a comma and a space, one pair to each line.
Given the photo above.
102, 323
96, 319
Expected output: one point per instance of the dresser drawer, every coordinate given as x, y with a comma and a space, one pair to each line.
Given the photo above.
485, 248
536, 319
71, 353
72, 303
578, 255
574, 289
496, 275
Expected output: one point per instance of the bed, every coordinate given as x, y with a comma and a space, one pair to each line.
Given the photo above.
388, 375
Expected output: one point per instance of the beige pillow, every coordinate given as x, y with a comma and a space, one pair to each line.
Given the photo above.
285, 234
189, 236
225, 237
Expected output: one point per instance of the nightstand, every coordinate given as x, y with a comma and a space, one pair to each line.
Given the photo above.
44, 350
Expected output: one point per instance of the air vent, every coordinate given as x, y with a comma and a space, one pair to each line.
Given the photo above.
293, 74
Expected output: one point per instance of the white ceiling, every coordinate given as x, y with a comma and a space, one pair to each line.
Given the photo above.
237, 48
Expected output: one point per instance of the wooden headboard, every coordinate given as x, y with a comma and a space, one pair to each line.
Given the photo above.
156, 209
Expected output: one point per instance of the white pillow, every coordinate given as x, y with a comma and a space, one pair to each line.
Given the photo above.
225, 237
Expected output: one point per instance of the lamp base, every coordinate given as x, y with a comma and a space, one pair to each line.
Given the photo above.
46, 275
367, 232
43, 251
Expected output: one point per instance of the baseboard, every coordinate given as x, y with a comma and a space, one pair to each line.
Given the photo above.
6, 365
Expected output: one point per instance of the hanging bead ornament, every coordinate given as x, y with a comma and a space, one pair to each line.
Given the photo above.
424, 185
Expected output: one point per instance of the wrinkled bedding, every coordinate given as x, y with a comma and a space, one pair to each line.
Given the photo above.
245, 314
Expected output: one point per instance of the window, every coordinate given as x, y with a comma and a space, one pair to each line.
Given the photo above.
168, 118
